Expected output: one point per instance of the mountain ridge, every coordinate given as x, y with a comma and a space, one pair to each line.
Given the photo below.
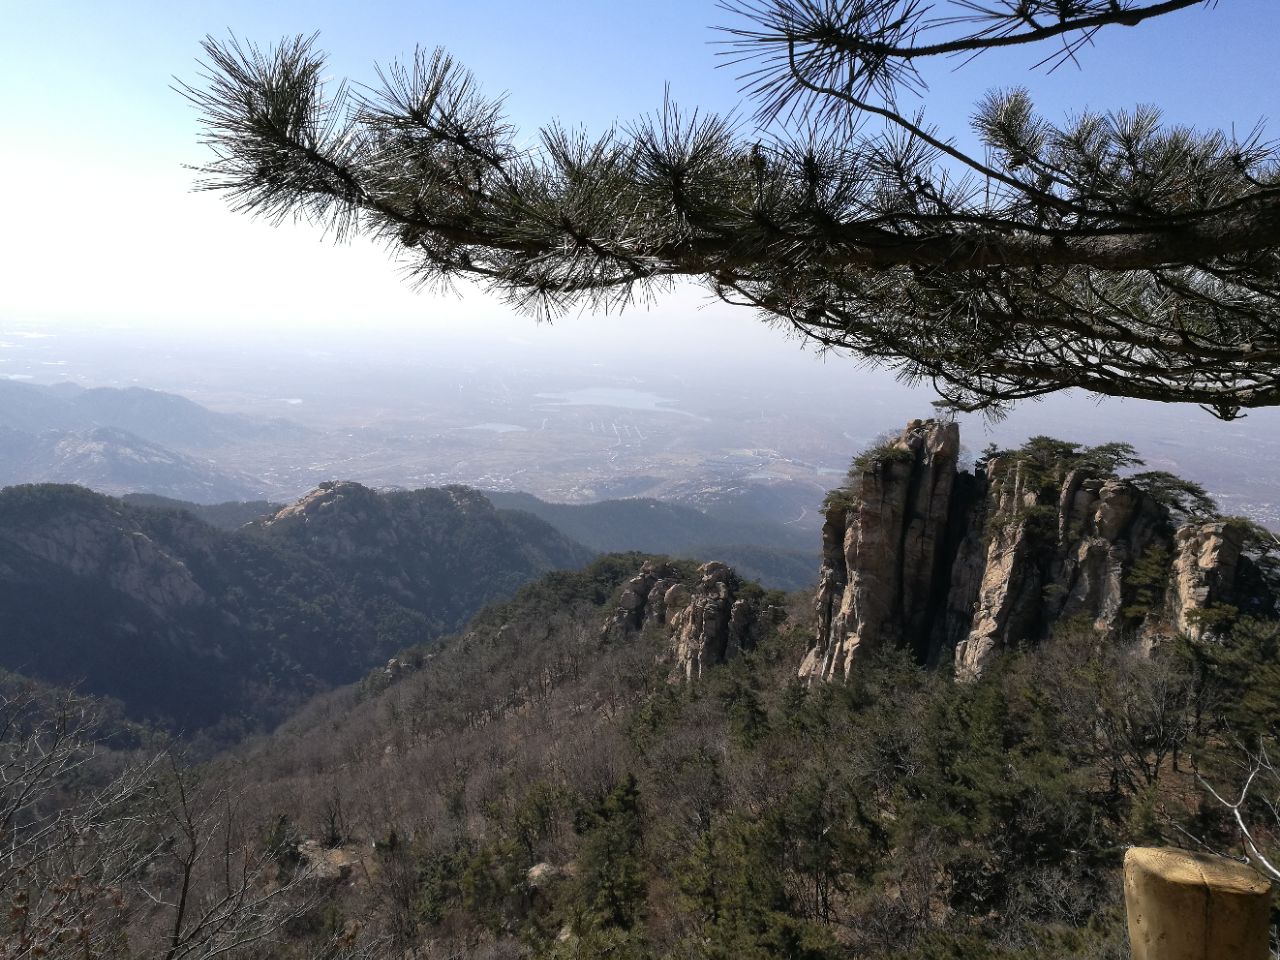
771, 552
166, 419
125, 440
195, 627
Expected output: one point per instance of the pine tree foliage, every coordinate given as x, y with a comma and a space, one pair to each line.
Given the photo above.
1112, 252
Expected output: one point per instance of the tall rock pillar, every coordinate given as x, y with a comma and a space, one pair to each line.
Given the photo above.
883, 544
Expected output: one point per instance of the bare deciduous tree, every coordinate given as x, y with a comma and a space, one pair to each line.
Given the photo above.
105, 854
1257, 796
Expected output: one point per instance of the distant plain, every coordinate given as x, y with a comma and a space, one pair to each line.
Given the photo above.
714, 412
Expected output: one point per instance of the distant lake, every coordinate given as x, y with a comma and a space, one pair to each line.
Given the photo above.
623, 398
496, 427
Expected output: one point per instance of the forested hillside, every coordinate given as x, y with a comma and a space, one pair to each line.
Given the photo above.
646, 758
546, 784
229, 515
198, 628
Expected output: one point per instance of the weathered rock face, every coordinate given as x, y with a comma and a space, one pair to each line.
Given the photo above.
883, 547
1205, 560
714, 625
708, 621
104, 549
644, 598
957, 567
1057, 548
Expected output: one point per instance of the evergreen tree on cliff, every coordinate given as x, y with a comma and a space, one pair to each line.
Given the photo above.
1112, 252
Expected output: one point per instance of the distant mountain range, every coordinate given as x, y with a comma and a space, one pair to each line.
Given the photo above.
122, 440
157, 417
116, 461
776, 554
198, 628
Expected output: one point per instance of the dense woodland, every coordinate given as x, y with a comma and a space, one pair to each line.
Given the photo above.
540, 787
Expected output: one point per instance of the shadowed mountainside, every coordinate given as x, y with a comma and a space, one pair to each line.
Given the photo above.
775, 554
193, 626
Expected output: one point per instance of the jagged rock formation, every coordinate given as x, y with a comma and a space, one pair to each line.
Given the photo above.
957, 566
708, 620
643, 598
1046, 561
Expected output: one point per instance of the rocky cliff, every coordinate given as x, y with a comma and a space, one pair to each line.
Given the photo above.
884, 549
957, 566
710, 616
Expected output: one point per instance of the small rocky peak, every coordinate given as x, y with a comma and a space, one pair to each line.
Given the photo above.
644, 598
340, 519
707, 617
329, 496
468, 500
715, 624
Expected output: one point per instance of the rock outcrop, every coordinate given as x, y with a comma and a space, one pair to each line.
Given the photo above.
957, 566
644, 598
1057, 548
713, 626
708, 620
1205, 561
884, 546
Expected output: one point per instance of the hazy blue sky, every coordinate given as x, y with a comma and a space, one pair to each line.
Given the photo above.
101, 223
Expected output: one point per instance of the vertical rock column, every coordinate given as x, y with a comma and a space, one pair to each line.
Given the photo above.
1205, 557
1006, 592
881, 545
712, 624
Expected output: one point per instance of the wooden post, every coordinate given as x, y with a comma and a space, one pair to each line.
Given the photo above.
1194, 906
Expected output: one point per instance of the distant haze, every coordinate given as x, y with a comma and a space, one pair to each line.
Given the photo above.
685, 404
